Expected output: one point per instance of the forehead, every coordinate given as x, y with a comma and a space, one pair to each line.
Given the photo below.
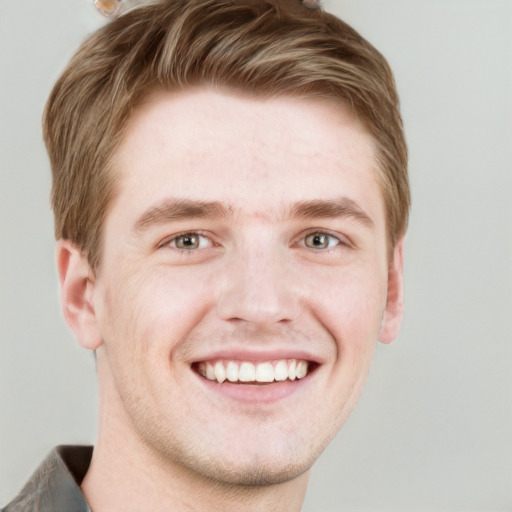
257, 154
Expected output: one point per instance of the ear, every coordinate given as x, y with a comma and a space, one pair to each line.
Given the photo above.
77, 279
393, 313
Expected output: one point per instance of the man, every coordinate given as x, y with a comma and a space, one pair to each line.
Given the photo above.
230, 195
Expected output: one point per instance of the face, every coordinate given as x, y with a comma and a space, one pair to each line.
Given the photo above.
244, 281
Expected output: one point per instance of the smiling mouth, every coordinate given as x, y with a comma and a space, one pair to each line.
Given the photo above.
245, 372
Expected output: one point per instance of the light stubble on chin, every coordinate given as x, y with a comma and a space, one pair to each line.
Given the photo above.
246, 475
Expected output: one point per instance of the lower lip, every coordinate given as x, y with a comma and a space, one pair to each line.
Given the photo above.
256, 393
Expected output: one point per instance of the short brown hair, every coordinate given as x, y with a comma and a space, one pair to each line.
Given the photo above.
260, 47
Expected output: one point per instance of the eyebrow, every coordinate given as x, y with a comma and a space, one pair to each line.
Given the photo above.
341, 207
172, 209
177, 209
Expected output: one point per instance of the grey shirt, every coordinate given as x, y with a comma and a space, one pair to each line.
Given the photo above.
55, 486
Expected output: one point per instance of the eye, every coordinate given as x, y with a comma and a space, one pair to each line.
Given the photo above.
320, 241
190, 242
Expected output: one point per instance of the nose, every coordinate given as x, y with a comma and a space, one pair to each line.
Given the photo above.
258, 287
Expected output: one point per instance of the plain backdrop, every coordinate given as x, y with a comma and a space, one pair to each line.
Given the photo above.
433, 429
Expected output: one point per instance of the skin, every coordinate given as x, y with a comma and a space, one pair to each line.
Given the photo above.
256, 283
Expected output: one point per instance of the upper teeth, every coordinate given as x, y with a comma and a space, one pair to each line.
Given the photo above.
244, 371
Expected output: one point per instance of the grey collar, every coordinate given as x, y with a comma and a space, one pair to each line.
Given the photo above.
55, 486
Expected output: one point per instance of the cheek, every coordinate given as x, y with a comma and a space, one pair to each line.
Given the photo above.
151, 310
351, 308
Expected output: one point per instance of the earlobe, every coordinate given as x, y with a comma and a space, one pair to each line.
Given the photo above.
393, 313
76, 294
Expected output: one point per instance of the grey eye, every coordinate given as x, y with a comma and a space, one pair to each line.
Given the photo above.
320, 241
188, 241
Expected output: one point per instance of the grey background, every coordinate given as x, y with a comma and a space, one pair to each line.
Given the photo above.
432, 431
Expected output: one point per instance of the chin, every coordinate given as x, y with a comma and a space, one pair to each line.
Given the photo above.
256, 473
253, 463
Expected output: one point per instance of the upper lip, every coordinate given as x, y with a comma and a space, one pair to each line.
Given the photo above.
258, 355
